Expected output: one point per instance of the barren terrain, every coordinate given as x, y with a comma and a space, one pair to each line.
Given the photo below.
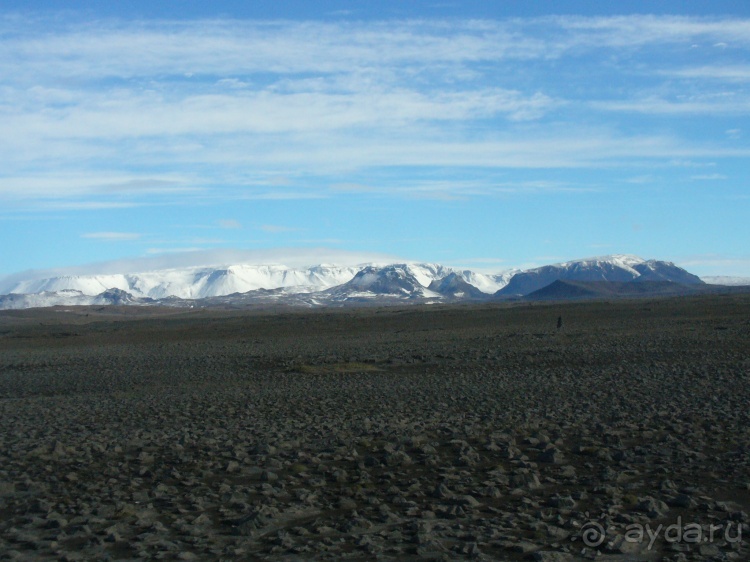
426, 432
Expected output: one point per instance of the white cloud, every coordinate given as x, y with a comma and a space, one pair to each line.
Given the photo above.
282, 195
166, 258
737, 73
351, 187
708, 177
64, 184
172, 251
229, 223
633, 31
216, 165
263, 112
112, 236
487, 265
84, 205
716, 264
726, 103
229, 48
449, 190
733, 133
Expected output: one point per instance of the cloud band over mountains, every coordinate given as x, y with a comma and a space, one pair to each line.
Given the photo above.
109, 111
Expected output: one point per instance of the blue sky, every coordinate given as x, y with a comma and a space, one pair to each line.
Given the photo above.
481, 134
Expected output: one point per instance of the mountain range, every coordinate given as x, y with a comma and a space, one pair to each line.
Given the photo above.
333, 285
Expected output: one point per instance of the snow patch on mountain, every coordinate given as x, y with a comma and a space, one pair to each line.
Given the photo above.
487, 283
622, 261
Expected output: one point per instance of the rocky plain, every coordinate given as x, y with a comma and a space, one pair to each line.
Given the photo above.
480, 432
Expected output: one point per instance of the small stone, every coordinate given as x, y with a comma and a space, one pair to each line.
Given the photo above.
468, 500
525, 479
551, 455
652, 507
268, 476
441, 491
565, 502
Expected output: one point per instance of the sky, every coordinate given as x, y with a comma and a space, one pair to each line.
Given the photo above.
487, 135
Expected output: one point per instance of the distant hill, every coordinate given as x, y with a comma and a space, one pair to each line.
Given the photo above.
616, 268
564, 289
571, 290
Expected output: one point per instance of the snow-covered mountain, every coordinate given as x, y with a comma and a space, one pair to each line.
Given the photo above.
618, 268
454, 286
195, 283
396, 281
489, 284
323, 285
202, 282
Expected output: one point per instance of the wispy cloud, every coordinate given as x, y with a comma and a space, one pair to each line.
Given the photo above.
449, 190
186, 49
67, 183
708, 177
715, 104
737, 73
268, 111
84, 205
172, 251
633, 31
230, 47
351, 187
229, 224
179, 257
716, 264
111, 109
111, 236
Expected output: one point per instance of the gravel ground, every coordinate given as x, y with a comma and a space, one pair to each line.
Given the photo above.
433, 432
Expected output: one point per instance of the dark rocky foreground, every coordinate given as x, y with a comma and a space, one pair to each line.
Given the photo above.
465, 432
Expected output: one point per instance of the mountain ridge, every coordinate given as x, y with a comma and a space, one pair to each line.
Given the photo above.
333, 285
571, 290
621, 268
